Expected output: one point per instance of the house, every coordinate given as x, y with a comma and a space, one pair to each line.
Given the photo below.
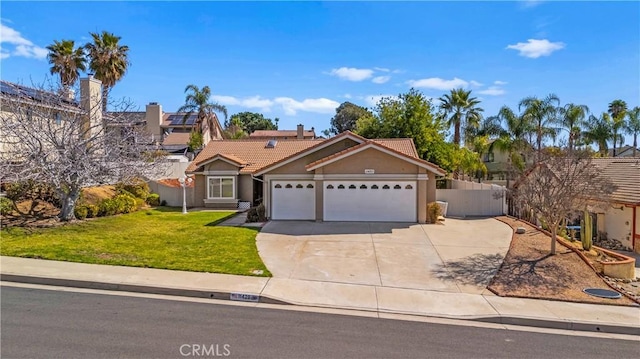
300, 133
50, 107
625, 151
170, 130
621, 221
343, 178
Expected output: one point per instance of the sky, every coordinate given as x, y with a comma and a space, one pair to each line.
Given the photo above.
298, 61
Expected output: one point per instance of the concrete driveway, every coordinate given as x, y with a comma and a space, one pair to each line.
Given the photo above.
460, 256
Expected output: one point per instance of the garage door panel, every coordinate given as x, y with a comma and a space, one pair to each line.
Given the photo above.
293, 200
382, 201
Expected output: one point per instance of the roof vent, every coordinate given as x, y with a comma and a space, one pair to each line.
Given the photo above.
271, 144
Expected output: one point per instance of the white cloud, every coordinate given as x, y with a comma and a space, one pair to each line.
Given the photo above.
258, 102
535, 48
492, 91
347, 95
381, 69
475, 83
23, 47
381, 79
225, 100
317, 105
250, 102
499, 83
352, 74
438, 83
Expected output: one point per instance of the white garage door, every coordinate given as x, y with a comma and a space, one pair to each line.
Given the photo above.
293, 200
383, 201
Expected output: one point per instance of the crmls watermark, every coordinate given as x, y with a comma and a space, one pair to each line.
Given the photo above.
205, 350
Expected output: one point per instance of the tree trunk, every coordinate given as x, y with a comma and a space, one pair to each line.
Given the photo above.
554, 234
635, 144
69, 204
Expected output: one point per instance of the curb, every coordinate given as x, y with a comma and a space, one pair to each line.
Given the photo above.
179, 292
505, 320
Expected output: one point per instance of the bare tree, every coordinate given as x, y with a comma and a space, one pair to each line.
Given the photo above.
560, 185
68, 144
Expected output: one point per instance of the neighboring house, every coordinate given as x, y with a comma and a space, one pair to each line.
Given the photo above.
621, 221
39, 103
625, 151
170, 130
300, 134
343, 178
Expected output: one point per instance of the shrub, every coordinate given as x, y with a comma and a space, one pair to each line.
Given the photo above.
256, 214
92, 210
433, 212
154, 200
6, 206
163, 203
80, 211
140, 203
125, 203
31, 190
139, 188
107, 207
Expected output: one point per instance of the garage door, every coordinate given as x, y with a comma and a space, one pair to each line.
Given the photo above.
293, 200
384, 201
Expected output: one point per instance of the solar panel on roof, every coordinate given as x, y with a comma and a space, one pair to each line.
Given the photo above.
179, 120
8, 89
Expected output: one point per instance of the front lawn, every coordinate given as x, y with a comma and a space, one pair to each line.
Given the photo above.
157, 238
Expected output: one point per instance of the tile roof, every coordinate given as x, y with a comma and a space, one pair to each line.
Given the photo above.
402, 145
256, 156
253, 152
433, 167
623, 173
176, 138
281, 133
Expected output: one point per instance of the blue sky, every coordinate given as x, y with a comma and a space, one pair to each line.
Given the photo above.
298, 60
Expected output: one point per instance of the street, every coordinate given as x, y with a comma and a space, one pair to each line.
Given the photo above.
40, 323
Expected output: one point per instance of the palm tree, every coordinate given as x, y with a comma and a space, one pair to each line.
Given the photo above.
572, 119
197, 100
633, 126
599, 131
464, 113
108, 60
512, 139
617, 110
67, 61
542, 115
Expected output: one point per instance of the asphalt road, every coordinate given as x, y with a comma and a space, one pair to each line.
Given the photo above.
38, 323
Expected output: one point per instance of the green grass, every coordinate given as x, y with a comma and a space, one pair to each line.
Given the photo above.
156, 238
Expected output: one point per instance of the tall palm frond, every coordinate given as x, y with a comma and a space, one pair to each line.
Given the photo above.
197, 101
633, 126
617, 110
67, 61
108, 60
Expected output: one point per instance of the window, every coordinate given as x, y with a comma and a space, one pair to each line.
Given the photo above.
221, 187
58, 119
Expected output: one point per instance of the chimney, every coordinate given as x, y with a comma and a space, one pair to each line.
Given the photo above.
153, 120
313, 133
91, 103
300, 132
68, 94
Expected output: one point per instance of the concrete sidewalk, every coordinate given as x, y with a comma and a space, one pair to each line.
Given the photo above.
486, 308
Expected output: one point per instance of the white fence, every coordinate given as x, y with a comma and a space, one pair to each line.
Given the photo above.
470, 199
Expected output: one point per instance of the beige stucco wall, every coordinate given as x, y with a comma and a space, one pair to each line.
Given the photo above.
245, 188
618, 223
200, 191
298, 166
637, 234
220, 165
380, 162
